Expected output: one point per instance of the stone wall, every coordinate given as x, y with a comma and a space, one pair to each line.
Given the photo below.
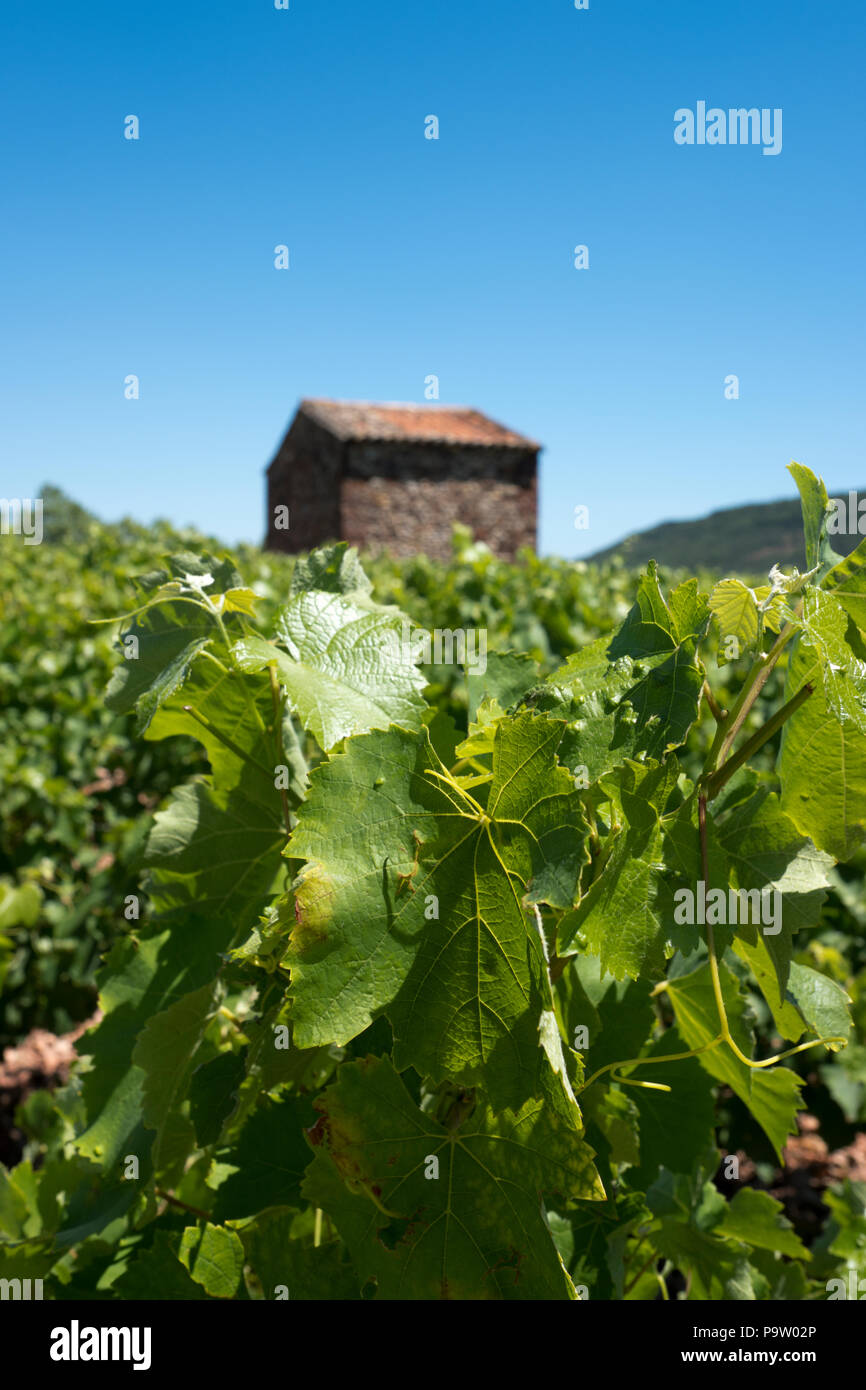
305, 477
405, 496
415, 516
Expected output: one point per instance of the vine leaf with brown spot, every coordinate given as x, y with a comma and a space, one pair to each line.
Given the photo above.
430, 1212
457, 963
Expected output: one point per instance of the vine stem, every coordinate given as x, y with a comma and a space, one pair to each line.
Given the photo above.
594, 838
295, 750
753, 685
469, 762
719, 714
711, 939
278, 743
175, 597
717, 780
716, 978
647, 1061
224, 739
185, 1206
449, 781
637, 1278
216, 661
218, 618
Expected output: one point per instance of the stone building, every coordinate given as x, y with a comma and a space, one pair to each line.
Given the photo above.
397, 477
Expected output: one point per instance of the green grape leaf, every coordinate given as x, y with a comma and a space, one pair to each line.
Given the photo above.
619, 917
684, 869
164, 1052
285, 1267
270, 1158
240, 705
823, 1005
810, 1000
766, 852
214, 855
845, 1079
345, 669
140, 978
156, 1272
169, 632
479, 742
178, 690
270, 1066
786, 1015
29, 1259
816, 514
214, 1256
20, 905
78, 1199
689, 609
845, 1232
687, 1111
167, 681
847, 582
736, 607
507, 678
613, 1115
744, 613
618, 1015
649, 626
19, 1207
634, 695
217, 851
598, 1235
417, 902
335, 569
772, 1095
757, 1219
430, 1212
716, 1268
590, 692
213, 1095
821, 764
784, 1281
825, 628
238, 600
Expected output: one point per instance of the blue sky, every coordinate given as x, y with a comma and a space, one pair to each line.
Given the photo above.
411, 256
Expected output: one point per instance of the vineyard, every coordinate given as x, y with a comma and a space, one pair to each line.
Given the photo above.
535, 974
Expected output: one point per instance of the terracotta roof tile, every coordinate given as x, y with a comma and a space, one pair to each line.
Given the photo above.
439, 424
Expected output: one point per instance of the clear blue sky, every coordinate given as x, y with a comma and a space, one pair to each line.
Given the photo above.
411, 256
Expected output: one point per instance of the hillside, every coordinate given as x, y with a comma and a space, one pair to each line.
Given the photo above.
746, 540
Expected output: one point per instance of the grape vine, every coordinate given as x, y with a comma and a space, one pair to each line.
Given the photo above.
421, 1011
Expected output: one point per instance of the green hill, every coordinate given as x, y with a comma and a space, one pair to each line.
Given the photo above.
744, 540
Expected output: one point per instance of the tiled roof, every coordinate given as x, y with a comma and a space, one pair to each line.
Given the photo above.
438, 424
